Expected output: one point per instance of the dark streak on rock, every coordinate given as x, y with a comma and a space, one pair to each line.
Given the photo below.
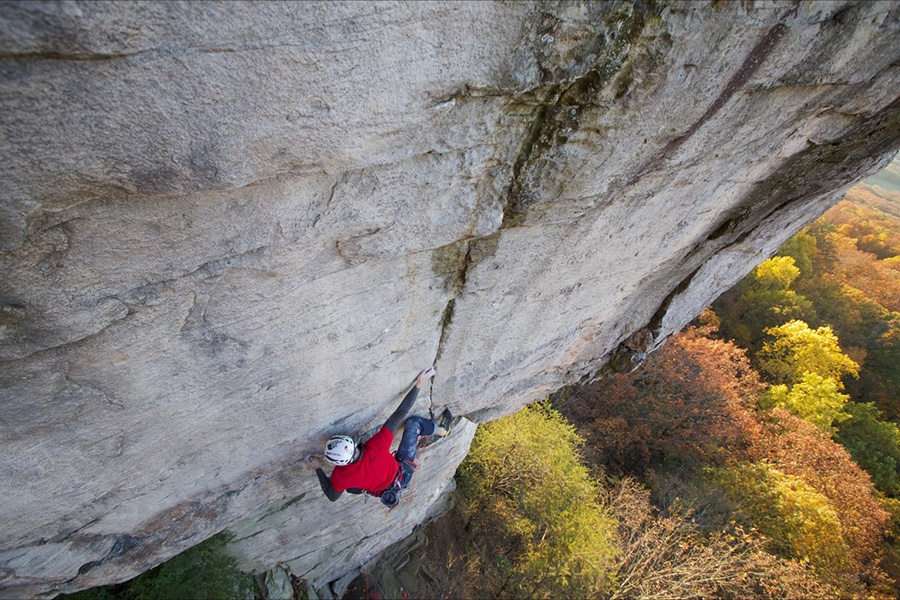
293, 501
817, 168
656, 320
74, 57
88, 566
745, 72
123, 544
749, 67
157, 53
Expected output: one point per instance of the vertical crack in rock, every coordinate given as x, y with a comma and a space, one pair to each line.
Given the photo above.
515, 208
454, 262
561, 113
451, 262
446, 319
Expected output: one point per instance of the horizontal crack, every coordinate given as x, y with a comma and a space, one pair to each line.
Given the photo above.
157, 53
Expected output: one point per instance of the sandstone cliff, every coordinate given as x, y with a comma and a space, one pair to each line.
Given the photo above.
230, 230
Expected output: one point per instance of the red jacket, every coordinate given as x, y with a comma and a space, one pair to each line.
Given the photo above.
374, 471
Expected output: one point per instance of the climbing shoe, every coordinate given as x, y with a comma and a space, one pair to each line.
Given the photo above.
446, 418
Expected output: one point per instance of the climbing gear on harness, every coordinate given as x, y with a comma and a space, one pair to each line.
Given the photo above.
340, 449
391, 496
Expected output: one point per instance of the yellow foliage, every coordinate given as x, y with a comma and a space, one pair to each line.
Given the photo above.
798, 349
798, 521
814, 399
778, 272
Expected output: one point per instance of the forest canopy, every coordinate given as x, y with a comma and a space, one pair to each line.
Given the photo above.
755, 454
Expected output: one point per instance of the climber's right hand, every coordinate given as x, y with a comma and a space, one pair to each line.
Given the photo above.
424, 376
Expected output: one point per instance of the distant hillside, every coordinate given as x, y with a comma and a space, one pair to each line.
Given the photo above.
870, 213
889, 178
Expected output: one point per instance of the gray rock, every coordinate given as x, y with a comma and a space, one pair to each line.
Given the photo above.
278, 583
229, 230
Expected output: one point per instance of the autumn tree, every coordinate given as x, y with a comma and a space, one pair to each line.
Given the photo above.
800, 449
807, 366
867, 273
814, 398
797, 349
854, 287
798, 521
762, 299
669, 556
802, 248
867, 216
536, 509
874, 444
687, 405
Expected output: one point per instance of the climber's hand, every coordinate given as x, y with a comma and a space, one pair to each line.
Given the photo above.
312, 462
424, 376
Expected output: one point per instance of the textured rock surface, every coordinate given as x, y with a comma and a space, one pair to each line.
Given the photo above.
230, 230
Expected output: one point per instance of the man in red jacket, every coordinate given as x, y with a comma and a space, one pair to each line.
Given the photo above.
372, 468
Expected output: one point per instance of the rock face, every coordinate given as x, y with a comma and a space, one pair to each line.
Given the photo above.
230, 230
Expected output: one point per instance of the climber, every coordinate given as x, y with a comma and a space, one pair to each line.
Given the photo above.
371, 468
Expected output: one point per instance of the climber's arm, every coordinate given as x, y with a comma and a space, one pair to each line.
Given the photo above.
399, 416
324, 481
332, 493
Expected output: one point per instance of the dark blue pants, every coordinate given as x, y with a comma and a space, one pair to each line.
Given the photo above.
409, 445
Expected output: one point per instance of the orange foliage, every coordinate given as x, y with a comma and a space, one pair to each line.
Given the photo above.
867, 233
801, 449
874, 278
869, 215
693, 404
688, 404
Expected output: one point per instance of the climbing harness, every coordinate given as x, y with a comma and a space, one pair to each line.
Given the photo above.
391, 496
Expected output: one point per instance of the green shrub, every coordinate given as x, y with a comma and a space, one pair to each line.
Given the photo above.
874, 444
204, 572
536, 506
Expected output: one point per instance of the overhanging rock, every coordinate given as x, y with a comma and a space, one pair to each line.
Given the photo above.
230, 230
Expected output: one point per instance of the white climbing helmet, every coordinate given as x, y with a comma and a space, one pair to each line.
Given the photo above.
339, 450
